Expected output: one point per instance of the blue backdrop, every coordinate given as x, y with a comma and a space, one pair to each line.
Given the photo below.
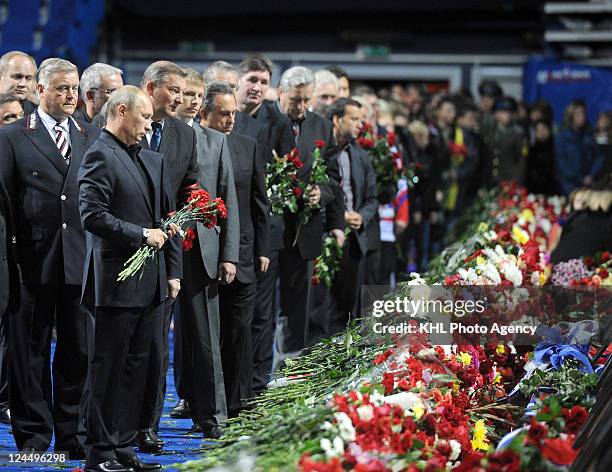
560, 82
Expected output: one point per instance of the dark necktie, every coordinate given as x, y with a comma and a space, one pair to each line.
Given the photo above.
61, 140
156, 137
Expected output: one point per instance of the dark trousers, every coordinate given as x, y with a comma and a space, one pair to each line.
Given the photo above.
263, 324
177, 359
237, 303
39, 406
155, 387
118, 372
4, 347
345, 289
295, 289
200, 330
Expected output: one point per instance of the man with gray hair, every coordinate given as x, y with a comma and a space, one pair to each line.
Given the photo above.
164, 83
17, 71
98, 81
296, 89
221, 71
326, 91
39, 159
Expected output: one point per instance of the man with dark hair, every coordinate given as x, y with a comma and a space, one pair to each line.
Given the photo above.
344, 89
39, 159
10, 109
358, 185
164, 83
300, 249
17, 75
237, 300
123, 198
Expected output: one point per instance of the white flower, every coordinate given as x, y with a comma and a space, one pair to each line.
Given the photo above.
415, 279
377, 399
345, 427
407, 400
365, 412
456, 448
512, 273
468, 275
490, 272
335, 449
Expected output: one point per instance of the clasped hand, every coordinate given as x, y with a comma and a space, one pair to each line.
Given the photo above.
157, 237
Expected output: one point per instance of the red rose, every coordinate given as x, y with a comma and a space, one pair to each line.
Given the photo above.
315, 280
320, 143
603, 273
604, 257
391, 139
574, 418
537, 432
559, 451
297, 163
297, 191
368, 143
504, 461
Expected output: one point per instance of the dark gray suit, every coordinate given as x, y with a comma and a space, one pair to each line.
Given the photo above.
50, 251
198, 324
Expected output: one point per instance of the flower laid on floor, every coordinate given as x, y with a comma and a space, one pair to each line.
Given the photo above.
198, 209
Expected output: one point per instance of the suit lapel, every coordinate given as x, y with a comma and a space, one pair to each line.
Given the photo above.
78, 140
39, 136
356, 177
126, 160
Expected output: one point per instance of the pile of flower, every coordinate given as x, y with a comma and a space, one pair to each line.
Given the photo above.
588, 271
365, 402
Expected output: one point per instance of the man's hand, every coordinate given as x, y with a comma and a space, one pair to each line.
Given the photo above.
156, 238
353, 219
172, 230
264, 263
174, 287
226, 273
339, 235
314, 195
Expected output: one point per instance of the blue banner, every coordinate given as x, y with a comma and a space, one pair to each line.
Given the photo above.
561, 82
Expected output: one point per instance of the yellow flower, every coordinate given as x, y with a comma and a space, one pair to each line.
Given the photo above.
479, 438
520, 235
418, 411
483, 227
500, 349
497, 378
480, 260
527, 215
465, 358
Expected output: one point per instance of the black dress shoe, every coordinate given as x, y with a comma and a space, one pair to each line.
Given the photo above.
109, 466
5, 416
139, 466
181, 410
213, 432
147, 444
155, 437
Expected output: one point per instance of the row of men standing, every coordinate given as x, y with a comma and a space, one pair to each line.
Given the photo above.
224, 324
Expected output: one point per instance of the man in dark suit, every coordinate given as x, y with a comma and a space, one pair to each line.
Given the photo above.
211, 262
164, 82
237, 300
124, 195
17, 71
98, 81
39, 159
296, 258
358, 185
254, 80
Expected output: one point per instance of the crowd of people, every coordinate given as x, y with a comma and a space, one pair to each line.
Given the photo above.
90, 168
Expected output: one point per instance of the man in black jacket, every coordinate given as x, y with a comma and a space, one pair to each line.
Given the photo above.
39, 159
124, 195
253, 82
164, 82
237, 300
303, 244
358, 184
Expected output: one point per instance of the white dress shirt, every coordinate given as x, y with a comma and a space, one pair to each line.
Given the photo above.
50, 123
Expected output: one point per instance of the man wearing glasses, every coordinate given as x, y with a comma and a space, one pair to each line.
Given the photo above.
98, 81
39, 159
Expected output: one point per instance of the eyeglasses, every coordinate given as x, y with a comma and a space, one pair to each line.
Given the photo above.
107, 92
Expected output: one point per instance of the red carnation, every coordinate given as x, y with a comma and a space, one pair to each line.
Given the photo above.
537, 432
187, 242
297, 191
604, 257
574, 418
388, 382
559, 451
504, 461
221, 208
320, 143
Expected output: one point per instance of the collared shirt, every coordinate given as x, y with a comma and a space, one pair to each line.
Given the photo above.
296, 125
50, 123
150, 133
344, 162
189, 123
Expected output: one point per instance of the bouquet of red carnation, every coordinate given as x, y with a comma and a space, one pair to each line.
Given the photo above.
282, 183
386, 161
328, 263
199, 208
318, 176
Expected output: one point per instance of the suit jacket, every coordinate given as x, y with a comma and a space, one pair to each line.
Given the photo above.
9, 276
115, 205
314, 128
253, 206
45, 199
216, 176
363, 183
81, 114
178, 145
29, 107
